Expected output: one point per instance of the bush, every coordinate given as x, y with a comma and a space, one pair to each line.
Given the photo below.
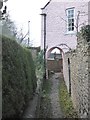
18, 76
85, 32
39, 63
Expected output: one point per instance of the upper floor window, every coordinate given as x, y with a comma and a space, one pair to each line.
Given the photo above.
70, 19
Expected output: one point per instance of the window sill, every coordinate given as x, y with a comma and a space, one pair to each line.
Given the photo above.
70, 33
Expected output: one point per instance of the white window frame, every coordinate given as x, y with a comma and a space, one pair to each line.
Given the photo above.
70, 18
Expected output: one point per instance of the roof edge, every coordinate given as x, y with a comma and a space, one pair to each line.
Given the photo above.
46, 5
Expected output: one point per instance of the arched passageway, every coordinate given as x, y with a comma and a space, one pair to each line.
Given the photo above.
53, 48
54, 59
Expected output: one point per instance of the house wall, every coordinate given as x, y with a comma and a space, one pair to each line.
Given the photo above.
89, 12
56, 23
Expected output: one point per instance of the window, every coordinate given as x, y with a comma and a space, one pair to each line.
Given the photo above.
70, 19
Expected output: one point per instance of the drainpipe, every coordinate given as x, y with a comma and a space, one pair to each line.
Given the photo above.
44, 15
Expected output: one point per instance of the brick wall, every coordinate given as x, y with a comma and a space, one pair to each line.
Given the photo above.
54, 65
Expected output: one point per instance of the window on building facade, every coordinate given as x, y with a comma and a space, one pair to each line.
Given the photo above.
70, 19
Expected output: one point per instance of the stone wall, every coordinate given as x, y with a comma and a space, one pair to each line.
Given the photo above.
79, 79
89, 81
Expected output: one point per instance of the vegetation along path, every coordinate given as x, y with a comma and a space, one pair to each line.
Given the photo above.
54, 96
55, 101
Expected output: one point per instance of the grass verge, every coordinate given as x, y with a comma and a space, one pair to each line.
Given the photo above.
65, 101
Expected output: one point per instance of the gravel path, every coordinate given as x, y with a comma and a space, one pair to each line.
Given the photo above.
54, 96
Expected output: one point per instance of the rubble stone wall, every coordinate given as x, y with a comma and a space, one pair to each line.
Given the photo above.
79, 76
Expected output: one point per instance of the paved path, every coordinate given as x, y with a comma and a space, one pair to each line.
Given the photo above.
30, 111
54, 96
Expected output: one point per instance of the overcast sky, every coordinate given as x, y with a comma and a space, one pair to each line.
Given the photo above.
22, 11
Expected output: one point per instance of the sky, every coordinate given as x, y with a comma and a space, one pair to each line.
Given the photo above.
22, 11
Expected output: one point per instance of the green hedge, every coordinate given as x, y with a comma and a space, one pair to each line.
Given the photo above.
18, 77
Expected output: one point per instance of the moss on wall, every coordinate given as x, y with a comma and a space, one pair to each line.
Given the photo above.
18, 77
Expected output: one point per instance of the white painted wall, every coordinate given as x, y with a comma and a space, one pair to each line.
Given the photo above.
89, 12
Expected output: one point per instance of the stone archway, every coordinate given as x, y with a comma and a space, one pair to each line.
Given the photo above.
50, 50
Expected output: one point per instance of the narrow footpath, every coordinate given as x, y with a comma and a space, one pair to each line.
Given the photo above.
54, 96
31, 109
54, 100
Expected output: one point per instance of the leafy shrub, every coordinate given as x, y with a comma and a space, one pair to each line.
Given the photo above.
39, 63
18, 76
85, 32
